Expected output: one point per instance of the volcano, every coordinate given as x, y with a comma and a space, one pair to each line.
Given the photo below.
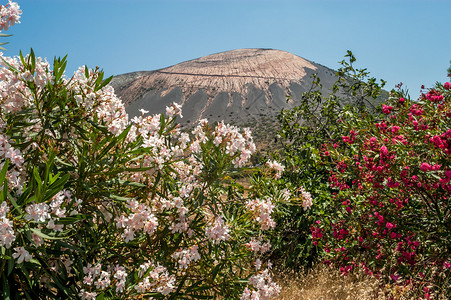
245, 87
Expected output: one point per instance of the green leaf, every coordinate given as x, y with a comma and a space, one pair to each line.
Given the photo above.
10, 266
45, 236
3, 171
105, 82
35, 261
118, 198
13, 201
5, 290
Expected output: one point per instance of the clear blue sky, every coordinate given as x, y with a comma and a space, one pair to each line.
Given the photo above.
405, 41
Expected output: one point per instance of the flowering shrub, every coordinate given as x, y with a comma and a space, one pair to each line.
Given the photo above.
379, 180
9, 16
304, 132
391, 211
95, 205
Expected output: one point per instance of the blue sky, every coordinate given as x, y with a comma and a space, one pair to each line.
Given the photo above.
405, 41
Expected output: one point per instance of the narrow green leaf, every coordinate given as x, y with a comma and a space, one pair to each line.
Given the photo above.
118, 198
5, 290
105, 82
3, 171
45, 236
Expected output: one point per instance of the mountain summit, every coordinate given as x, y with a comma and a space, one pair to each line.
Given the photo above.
241, 86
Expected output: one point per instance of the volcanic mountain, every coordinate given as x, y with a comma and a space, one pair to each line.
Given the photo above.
245, 87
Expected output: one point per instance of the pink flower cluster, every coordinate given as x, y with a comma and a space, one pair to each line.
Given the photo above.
157, 279
9, 15
94, 276
386, 109
7, 235
261, 287
103, 103
276, 166
261, 210
185, 256
49, 214
307, 200
14, 94
258, 246
141, 219
21, 255
218, 231
238, 145
14, 175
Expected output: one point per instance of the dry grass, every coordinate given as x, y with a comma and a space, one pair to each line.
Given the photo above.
324, 283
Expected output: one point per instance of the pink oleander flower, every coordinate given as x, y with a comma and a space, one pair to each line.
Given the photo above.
425, 167
279, 168
158, 279
447, 85
7, 234
185, 257
9, 15
307, 200
37, 212
4, 209
141, 219
258, 246
174, 110
389, 225
386, 109
21, 254
85, 295
218, 232
261, 210
261, 287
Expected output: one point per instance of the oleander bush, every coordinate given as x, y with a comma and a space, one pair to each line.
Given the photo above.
96, 206
380, 180
391, 204
304, 131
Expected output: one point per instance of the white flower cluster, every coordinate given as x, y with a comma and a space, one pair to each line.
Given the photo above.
141, 219
185, 256
157, 280
52, 212
21, 254
104, 102
9, 15
14, 93
101, 279
238, 144
7, 235
173, 110
218, 232
160, 152
261, 287
307, 201
85, 295
14, 175
276, 166
261, 210
258, 246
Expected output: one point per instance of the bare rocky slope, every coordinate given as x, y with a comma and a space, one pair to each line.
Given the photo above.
246, 87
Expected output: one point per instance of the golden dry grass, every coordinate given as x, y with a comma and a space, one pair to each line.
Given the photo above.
325, 283
322, 282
